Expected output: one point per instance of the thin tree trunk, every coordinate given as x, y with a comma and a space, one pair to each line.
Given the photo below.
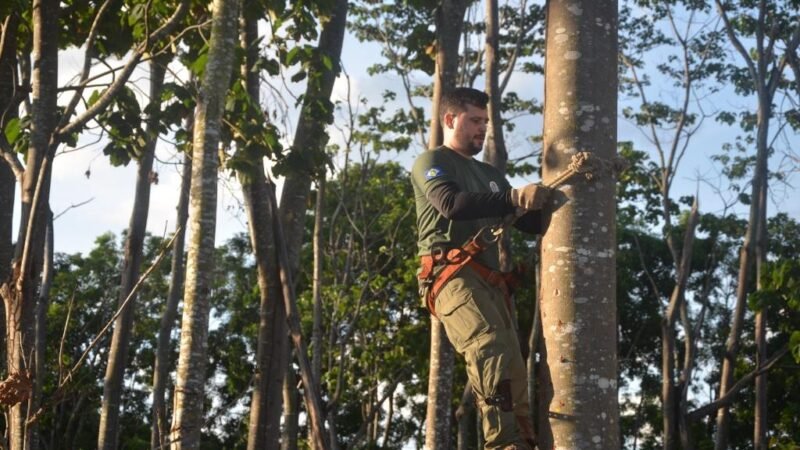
108, 433
316, 339
449, 21
310, 135
311, 394
579, 407
670, 391
760, 414
42, 303
290, 410
8, 112
189, 390
271, 351
19, 291
765, 81
494, 151
160, 431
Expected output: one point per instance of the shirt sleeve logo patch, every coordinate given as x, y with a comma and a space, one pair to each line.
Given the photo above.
433, 172
494, 187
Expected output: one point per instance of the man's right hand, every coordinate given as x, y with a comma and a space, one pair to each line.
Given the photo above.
530, 197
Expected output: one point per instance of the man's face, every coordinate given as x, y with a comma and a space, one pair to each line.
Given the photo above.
466, 131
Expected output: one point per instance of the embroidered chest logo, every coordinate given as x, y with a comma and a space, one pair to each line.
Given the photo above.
493, 186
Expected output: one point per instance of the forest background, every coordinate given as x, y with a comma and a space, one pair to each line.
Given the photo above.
708, 122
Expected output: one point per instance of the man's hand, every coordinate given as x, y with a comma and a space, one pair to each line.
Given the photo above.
529, 197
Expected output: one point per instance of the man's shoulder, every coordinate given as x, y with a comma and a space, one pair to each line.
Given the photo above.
437, 157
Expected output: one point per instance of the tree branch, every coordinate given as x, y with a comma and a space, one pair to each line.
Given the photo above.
731, 394
108, 96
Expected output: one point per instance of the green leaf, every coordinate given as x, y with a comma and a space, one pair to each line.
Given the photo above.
198, 66
299, 76
794, 345
292, 55
94, 97
13, 130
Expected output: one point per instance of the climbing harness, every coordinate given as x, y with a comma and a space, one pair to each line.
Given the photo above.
453, 260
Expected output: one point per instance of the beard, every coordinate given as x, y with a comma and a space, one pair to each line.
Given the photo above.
476, 145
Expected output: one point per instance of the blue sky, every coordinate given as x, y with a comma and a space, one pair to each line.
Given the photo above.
110, 189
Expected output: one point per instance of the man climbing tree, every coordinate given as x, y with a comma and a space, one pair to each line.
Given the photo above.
459, 200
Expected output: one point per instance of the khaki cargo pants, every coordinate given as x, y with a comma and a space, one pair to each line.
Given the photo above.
479, 326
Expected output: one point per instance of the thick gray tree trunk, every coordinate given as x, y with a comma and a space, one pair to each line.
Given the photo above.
271, 352
160, 431
187, 418
108, 433
579, 378
449, 22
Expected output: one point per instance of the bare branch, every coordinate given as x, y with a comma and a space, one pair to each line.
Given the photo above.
87, 64
730, 394
74, 205
11, 157
136, 287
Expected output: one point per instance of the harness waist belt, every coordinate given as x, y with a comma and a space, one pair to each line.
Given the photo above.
452, 261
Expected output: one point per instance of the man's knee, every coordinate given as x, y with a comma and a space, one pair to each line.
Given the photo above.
502, 396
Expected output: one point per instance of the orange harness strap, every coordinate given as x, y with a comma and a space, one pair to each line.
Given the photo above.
454, 260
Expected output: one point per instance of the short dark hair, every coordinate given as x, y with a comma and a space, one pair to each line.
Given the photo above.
456, 100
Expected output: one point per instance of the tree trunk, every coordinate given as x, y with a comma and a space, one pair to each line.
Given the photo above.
316, 339
160, 433
579, 386
271, 352
8, 112
290, 410
671, 396
449, 20
313, 400
19, 291
271, 357
42, 303
760, 414
494, 151
189, 390
310, 136
137, 227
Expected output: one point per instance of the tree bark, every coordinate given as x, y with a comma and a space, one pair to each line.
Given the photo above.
108, 433
313, 400
42, 303
190, 381
760, 414
765, 69
310, 136
290, 410
8, 112
449, 22
160, 433
19, 291
579, 386
670, 391
271, 351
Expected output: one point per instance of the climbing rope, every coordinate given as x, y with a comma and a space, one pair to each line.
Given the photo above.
582, 163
